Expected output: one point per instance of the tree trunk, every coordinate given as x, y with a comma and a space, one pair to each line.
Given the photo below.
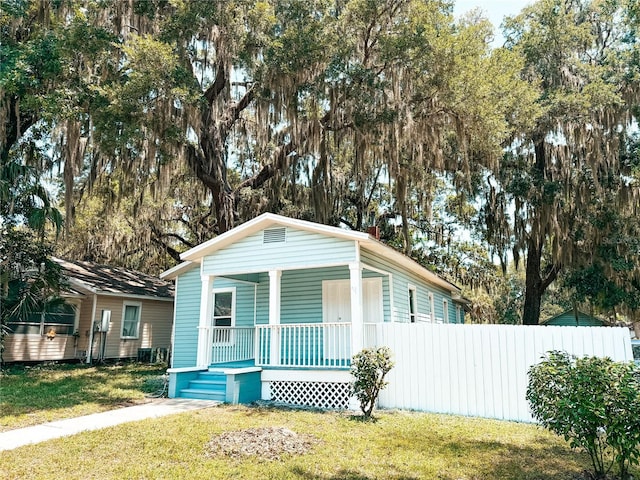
209, 165
536, 282
533, 281
533, 285
16, 124
401, 199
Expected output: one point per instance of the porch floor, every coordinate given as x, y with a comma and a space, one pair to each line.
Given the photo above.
327, 365
236, 364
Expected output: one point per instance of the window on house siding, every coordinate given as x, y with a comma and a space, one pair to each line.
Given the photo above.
62, 320
432, 307
458, 316
223, 315
413, 310
445, 310
131, 319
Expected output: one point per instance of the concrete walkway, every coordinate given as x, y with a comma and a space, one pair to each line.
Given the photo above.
62, 428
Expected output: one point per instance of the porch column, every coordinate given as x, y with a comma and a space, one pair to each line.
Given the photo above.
205, 338
274, 315
357, 321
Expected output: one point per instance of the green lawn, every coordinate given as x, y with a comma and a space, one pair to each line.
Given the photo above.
38, 394
399, 445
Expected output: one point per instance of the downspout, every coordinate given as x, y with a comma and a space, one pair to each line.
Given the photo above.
91, 329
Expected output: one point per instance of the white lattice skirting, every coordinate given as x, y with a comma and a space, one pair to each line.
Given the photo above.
333, 395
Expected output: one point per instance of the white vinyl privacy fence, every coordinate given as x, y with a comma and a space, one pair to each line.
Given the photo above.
479, 370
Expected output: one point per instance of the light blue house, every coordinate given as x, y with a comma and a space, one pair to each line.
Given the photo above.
276, 307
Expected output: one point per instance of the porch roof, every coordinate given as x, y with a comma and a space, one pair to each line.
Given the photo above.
194, 256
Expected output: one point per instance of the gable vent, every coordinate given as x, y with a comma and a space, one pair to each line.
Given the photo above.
274, 235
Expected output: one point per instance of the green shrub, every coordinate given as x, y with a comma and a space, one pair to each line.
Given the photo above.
369, 368
593, 403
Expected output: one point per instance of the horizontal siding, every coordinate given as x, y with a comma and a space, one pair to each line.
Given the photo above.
85, 323
301, 299
401, 281
301, 249
33, 348
301, 294
187, 317
112, 336
244, 300
568, 319
154, 330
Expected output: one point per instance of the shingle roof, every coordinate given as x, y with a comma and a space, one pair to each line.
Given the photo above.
113, 280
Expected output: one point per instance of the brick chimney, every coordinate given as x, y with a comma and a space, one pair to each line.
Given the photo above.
374, 232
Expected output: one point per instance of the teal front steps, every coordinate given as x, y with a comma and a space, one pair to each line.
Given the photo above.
234, 382
207, 386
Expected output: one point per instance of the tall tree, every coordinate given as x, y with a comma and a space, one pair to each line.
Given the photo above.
30, 280
98, 64
143, 232
303, 107
579, 53
607, 274
412, 94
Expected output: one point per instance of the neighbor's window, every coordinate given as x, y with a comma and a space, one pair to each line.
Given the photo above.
131, 319
413, 311
62, 319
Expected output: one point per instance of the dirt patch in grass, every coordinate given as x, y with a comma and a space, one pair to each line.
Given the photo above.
268, 443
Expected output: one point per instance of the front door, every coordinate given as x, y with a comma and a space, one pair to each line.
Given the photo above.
336, 309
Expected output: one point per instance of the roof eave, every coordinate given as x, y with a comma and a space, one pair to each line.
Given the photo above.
179, 269
378, 247
264, 221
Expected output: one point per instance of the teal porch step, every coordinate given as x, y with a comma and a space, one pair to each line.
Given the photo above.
207, 386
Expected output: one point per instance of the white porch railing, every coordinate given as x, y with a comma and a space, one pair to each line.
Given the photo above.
308, 345
231, 344
303, 345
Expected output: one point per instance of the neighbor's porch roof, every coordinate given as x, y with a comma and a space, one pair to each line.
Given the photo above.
107, 280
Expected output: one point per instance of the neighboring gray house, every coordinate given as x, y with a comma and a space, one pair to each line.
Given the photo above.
276, 307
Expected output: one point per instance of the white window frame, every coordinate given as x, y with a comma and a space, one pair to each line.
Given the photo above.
126, 304
445, 310
413, 303
77, 305
432, 307
458, 310
230, 338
